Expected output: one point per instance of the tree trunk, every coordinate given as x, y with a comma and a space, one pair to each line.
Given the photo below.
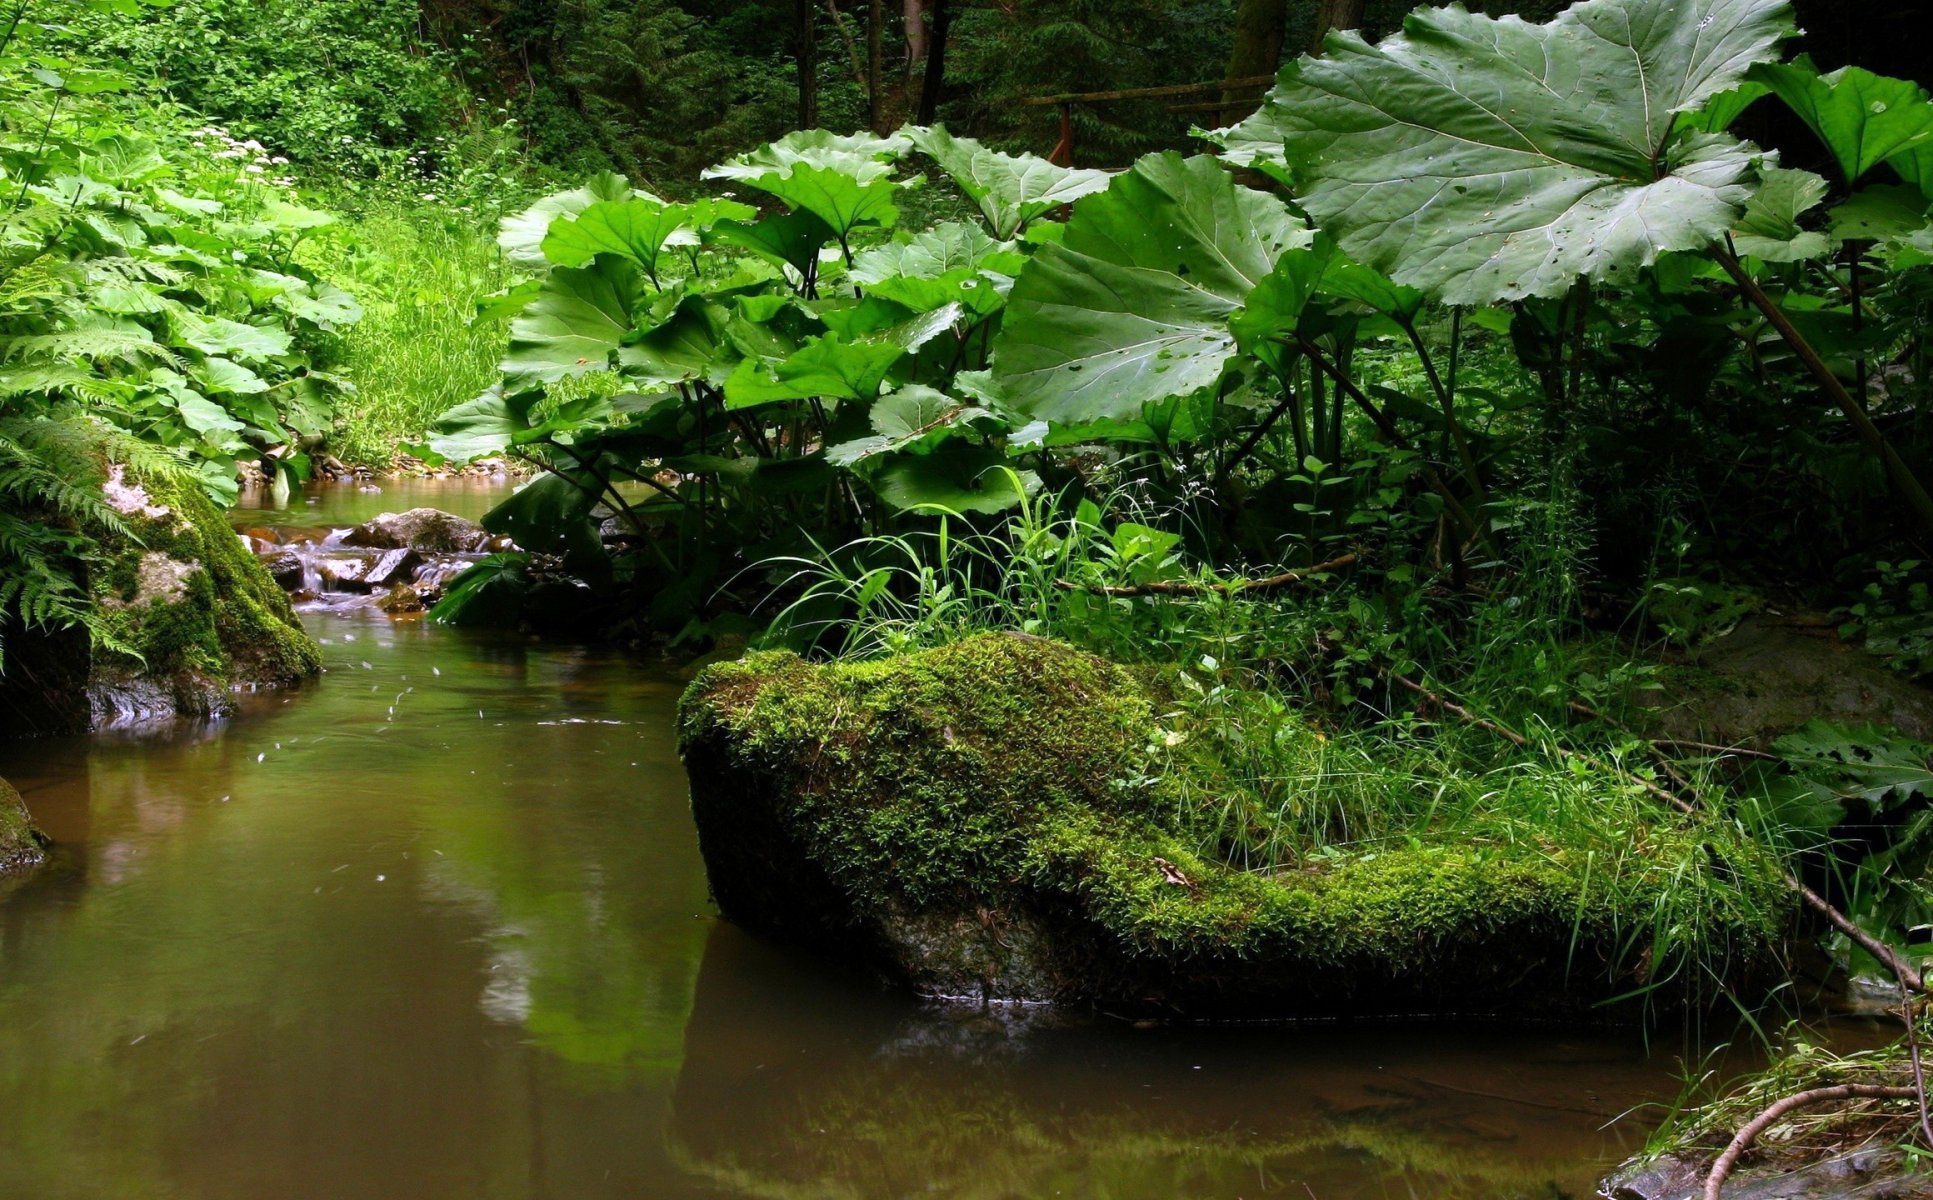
915, 14
1260, 26
1334, 15
935, 79
808, 65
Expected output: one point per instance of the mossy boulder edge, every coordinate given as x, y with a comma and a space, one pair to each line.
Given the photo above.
189, 617
22, 847
978, 822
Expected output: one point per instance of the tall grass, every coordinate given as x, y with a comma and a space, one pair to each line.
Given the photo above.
419, 348
1286, 743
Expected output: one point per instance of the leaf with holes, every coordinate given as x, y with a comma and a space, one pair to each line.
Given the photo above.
1484, 159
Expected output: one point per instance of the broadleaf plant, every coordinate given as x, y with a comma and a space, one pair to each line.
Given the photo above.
1485, 159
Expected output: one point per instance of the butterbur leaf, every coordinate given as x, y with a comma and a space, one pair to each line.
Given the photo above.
233, 339
1770, 228
1718, 113
521, 237
639, 229
1347, 279
1483, 159
483, 426
862, 157
219, 375
574, 324
1011, 189
552, 515
1863, 118
828, 366
1880, 213
786, 239
844, 181
1134, 305
1834, 773
952, 263
913, 419
957, 477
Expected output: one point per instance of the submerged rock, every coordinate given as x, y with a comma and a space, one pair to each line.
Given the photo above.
1875, 1172
978, 821
426, 530
188, 616
21, 845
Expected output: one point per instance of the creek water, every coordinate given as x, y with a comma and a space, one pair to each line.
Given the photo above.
436, 928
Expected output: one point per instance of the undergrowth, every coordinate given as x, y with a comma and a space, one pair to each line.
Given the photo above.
420, 348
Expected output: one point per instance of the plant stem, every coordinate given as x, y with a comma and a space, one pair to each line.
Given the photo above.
1896, 468
1388, 428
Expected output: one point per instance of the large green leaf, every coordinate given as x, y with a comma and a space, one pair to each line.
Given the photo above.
958, 477
232, 339
1835, 772
953, 263
1135, 304
521, 237
825, 366
1863, 118
1485, 159
1770, 228
844, 181
913, 419
639, 229
786, 239
574, 325
1011, 189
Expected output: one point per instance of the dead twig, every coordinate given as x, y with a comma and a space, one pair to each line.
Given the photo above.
1178, 587
1749, 1132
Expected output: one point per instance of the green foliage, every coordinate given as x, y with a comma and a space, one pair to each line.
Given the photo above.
763, 378
1483, 161
420, 347
154, 311
151, 276
341, 85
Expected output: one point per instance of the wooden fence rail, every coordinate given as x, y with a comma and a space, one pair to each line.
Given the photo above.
1063, 153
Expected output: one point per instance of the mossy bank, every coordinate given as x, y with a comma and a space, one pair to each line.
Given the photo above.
184, 618
21, 845
988, 820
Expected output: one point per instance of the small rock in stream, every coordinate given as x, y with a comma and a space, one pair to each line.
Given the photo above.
427, 530
394, 566
285, 567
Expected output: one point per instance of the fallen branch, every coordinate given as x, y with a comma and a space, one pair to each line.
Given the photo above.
1749, 1132
1177, 587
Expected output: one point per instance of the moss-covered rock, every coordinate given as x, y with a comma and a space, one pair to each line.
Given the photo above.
186, 616
21, 845
983, 820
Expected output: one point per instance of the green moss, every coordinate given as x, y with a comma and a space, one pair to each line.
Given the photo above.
1008, 781
222, 618
20, 842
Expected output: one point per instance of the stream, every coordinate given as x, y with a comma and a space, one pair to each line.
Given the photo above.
436, 927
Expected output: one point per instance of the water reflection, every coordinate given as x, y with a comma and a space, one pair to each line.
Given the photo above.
802, 1083
436, 928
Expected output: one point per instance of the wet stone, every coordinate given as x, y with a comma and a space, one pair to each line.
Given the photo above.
284, 567
427, 530
393, 567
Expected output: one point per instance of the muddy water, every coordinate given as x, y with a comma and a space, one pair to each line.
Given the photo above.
436, 928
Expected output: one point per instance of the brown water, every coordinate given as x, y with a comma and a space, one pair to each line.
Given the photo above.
436, 928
